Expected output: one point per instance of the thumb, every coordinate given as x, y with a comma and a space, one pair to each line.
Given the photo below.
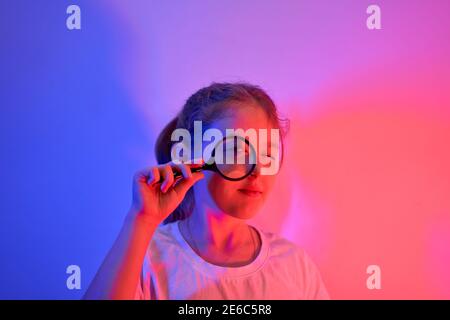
184, 185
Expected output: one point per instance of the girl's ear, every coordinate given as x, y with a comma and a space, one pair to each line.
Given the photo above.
180, 153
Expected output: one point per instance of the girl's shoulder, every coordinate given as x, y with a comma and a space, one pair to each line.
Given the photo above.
276, 241
291, 255
165, 234
282, 247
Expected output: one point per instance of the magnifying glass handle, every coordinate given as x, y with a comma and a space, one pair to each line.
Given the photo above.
178, 175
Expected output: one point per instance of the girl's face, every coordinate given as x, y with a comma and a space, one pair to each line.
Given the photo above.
241, 199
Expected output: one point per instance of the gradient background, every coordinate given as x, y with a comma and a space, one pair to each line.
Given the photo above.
367, 175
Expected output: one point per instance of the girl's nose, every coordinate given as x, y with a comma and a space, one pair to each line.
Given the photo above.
257, 171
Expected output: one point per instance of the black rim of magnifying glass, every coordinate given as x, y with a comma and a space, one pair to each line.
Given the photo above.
213, 166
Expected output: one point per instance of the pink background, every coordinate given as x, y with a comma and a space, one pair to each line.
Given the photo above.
366, 179
367, 176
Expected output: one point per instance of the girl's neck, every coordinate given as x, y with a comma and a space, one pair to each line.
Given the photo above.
216, 230
220, 238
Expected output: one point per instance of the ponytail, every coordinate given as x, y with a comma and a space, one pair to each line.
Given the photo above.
163, 148
164, 143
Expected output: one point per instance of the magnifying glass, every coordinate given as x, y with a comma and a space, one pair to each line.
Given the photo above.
234, 158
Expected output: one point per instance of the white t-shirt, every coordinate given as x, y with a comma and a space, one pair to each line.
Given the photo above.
172, 270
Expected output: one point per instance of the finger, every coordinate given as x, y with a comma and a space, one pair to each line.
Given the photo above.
154, 176
179, 171
168, 178
184, 185
196, 167
184, 169
143, 175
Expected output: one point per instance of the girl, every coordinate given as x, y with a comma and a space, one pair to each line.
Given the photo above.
188, 238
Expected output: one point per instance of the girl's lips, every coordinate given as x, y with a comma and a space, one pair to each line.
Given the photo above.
250, 193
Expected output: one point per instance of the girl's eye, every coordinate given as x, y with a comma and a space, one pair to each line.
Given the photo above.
241, 149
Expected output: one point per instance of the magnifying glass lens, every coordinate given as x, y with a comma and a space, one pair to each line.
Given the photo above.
236, 171
234, 158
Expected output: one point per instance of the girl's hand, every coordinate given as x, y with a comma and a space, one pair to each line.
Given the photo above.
156, 193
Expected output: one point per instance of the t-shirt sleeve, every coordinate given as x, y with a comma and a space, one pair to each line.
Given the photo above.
314, 287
